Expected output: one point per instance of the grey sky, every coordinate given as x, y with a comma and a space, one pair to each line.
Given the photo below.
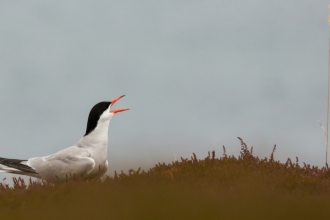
197, 74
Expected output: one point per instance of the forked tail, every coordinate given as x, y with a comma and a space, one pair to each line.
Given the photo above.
17, 167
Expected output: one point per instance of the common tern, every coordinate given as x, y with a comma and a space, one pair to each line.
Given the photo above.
86, 159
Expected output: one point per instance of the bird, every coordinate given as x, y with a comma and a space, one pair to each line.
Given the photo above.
86, 159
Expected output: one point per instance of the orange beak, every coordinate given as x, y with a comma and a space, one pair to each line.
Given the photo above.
120, 109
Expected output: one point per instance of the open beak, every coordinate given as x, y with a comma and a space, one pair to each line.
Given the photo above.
120, 109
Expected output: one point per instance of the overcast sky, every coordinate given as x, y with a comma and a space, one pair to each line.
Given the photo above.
197, 74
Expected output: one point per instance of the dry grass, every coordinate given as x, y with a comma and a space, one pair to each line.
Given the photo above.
246, 187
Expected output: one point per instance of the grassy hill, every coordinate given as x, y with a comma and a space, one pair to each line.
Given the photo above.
246, 187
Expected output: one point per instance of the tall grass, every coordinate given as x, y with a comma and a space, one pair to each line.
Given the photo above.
226, 187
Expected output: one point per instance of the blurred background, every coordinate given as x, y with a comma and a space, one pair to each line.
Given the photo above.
197, 74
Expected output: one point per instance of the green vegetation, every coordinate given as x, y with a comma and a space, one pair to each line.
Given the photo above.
246, 187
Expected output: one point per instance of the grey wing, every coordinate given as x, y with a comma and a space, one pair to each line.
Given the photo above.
63, 164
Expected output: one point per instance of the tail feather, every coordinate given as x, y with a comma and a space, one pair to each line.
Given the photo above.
4, 169
16, 166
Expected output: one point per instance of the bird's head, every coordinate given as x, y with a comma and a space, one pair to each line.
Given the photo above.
102, 112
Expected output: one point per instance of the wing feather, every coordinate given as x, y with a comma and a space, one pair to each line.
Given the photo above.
65, 163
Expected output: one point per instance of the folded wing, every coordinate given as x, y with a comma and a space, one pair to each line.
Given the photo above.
63, 164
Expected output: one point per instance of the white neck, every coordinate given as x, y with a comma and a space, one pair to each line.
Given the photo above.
98, 138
